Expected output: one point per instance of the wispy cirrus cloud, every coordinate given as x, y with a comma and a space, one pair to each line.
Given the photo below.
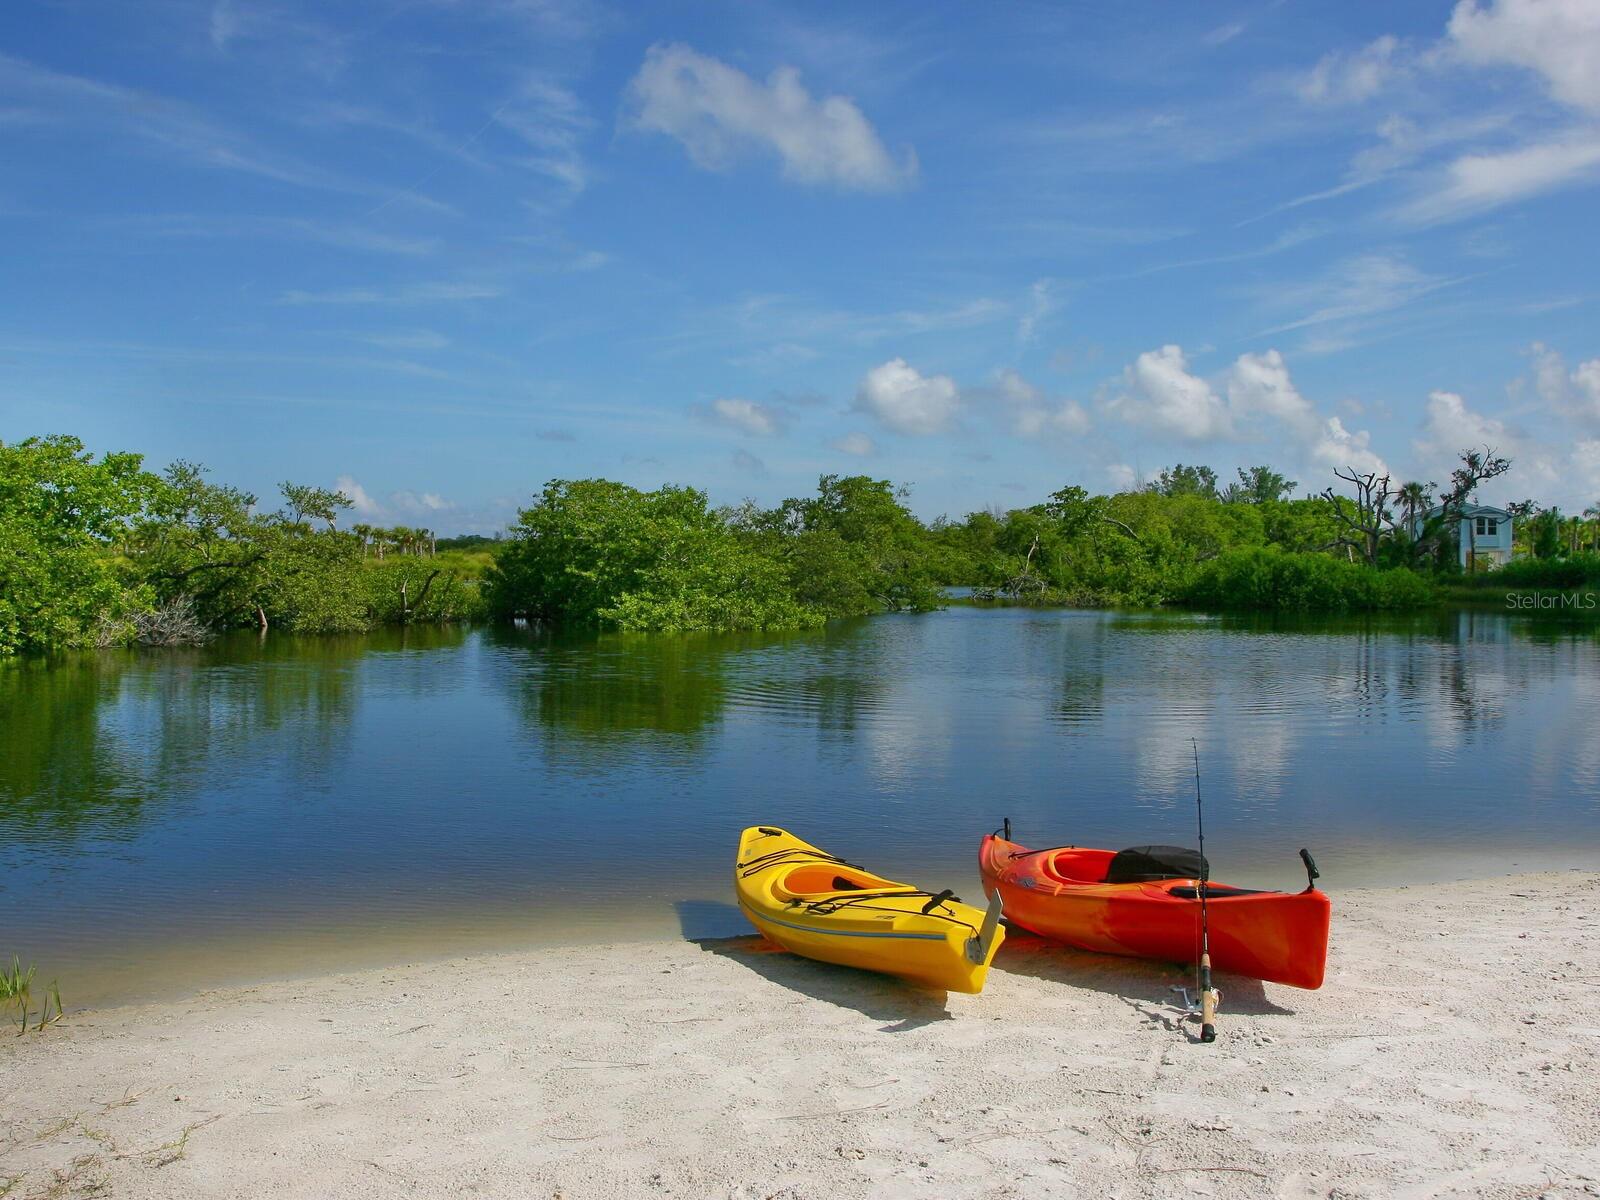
1475, 183
168, 125
551, 122
1355, 288
298, 229
1557, 42
443, 292
1353, 77
292, 40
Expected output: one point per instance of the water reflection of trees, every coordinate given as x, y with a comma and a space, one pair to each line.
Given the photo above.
58, 770
605, 688
615, 691
90, 742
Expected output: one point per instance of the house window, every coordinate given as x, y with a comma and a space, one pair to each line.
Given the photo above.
1488, 527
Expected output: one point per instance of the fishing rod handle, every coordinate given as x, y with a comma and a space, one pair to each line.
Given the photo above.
1208, 1002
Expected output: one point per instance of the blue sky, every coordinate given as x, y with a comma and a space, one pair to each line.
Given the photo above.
439, 251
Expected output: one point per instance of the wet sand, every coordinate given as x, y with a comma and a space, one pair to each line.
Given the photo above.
1451, 1052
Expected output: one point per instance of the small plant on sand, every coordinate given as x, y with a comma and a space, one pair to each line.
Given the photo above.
16, 993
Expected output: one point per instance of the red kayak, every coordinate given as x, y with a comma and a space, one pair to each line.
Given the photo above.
1145, 903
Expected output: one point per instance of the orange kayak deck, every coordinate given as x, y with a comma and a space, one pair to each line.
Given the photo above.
1281, 937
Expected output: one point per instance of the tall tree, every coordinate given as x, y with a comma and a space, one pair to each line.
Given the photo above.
306, 503
1186, 481
1259, 485
1413, 498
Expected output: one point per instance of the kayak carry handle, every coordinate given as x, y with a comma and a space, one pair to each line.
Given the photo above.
947, 894
1005, 829
1312, 874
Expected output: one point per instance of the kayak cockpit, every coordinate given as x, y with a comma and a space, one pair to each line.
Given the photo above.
1075, 865
826, 879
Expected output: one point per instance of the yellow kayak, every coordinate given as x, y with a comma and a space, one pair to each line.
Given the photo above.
811, 903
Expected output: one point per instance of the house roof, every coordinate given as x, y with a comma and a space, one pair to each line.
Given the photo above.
1473, 510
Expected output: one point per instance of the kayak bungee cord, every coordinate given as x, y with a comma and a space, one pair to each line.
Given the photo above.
790, 857
824, 908
1208, 994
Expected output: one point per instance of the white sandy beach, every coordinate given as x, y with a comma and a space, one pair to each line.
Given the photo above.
1452, 1052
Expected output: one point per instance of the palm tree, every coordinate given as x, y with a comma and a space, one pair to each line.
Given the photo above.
1574, 532
1414, 498
364, 532
1593, 514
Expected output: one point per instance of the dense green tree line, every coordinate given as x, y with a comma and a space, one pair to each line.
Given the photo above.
592, 552
99, 551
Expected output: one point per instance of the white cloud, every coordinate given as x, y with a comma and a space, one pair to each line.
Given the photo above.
747, 416
719, 113
1259, 385
1159, 394
406, 504
414, 504
1549, 460
906, 401
1557, 39
1030, 413
360, 502
1342, 77
1449, 427
1123, 477
1336, 448
1587, 380
858, 444
1575, 395
1586, 468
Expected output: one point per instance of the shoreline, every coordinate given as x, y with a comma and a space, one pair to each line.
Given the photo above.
168, 965
1445, 1055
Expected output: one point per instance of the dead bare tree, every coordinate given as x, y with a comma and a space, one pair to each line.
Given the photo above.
175, 623
1373, 517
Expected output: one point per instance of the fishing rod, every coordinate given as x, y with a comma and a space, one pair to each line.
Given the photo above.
1208, 994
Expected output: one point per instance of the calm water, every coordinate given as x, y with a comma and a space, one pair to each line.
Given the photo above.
170, 820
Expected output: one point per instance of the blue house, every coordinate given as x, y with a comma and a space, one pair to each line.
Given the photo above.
1485, 534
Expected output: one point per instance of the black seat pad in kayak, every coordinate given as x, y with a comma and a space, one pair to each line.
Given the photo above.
1144, 864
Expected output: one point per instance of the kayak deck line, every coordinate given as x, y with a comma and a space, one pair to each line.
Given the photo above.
870, 933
